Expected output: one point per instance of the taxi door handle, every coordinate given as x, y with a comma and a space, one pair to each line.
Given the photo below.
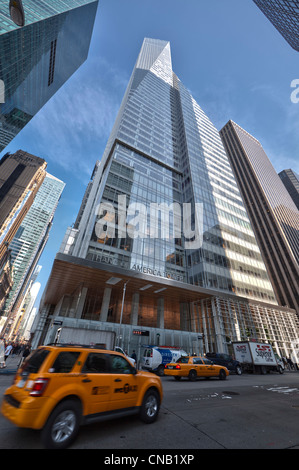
86, 380
117, 380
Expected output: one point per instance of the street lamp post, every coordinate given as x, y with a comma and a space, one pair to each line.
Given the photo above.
16, 12
121, 313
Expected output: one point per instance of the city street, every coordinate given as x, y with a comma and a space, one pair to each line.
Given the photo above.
149, 198
242, 412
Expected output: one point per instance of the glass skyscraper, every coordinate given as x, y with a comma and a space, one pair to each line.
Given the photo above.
164, 149
162, 243
284, 15
30, 240
37, 59
290, 180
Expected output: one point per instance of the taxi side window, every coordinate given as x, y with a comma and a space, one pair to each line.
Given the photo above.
119, 365
96, 364
65, 362
197, 360
183, 360
207, 362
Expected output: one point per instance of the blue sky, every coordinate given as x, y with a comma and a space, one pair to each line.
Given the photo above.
231, 58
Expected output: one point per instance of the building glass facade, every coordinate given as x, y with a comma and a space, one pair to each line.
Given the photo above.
31, 237
37, 11
290, 180
35, 60
164, 149
273, 214
120, 268
21, 175
284, 15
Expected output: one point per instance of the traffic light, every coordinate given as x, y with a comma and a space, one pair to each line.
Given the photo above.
140, 332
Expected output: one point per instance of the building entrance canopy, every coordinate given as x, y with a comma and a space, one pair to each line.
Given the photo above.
69, 272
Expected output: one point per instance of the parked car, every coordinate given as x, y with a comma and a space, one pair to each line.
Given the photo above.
225, 360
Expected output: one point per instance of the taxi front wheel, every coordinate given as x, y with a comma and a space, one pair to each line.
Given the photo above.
62, 425
150, 407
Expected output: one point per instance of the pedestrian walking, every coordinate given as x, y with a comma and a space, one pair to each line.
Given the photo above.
25, 354
133, 355
290, 362
7, 352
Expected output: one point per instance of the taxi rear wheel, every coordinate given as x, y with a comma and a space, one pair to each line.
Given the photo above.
150, 406
192, 375
160, 371
62, 425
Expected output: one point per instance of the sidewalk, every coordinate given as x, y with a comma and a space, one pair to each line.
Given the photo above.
12, 363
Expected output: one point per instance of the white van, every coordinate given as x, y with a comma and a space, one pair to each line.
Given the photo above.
120, 350
156, 357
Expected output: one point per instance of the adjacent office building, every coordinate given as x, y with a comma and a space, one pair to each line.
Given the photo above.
36, 59
30, 240
21, 175
6, 280
284, 15
163, 245
272, 212
291, 181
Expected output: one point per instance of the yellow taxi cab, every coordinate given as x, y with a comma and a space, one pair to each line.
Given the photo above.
193, 367
59, 388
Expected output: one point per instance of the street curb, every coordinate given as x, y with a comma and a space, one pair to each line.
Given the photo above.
8, 371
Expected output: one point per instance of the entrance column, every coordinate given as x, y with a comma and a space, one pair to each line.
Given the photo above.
184, 314
81, 302
160, 313
192, 316
105, 304
134, 309
219, 337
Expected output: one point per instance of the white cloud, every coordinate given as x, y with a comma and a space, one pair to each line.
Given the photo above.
74, 126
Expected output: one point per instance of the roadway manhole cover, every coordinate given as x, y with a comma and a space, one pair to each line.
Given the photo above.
231, 393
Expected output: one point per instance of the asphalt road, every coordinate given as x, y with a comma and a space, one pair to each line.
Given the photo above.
242, 412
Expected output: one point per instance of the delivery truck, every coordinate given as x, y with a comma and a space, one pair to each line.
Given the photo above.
257, 357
